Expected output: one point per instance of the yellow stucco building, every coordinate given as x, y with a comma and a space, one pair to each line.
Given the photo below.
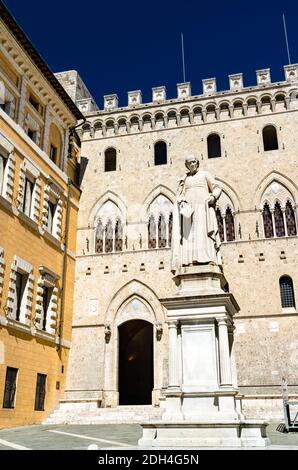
39, 196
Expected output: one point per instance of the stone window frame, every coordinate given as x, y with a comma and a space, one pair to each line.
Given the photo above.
155, 150
47, 278
52, 193
7, 150
23, 267
270, 124
28, 170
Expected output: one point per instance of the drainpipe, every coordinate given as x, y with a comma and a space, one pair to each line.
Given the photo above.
66, 231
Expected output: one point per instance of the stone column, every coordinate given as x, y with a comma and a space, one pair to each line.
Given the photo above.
224, 353
173, 355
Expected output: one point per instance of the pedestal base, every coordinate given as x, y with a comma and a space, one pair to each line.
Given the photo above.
204, 434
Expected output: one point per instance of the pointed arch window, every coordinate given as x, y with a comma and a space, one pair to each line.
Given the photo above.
99, 238
287, 292
279, 221
162, 232
230, 226
160, 153
151, 232
268, 223
220, 225
270, 138
118, 236
110, 159
109, 237
290, 219
213, 146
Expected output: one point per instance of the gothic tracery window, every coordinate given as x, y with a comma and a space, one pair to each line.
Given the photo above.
118, 236
160, 222
290, 219
279, 221
109, 237
162, 232
268, 223
170, 229
230, 227
278, 205
220, 225
151, 233
99, 238
108, 228
225, 218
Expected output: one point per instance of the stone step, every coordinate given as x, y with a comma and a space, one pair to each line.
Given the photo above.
72, 413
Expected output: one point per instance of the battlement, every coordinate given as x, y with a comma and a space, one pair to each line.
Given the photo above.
209, 90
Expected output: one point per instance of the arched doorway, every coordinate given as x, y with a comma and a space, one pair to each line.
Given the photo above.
135, 377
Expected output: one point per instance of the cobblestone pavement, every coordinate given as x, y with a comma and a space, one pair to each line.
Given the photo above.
103, 436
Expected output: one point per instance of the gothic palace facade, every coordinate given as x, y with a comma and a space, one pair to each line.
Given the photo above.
133, 157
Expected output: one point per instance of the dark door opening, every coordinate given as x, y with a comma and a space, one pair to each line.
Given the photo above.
135, 363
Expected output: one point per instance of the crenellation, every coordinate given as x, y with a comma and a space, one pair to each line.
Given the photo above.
197, 110
209, 86
236, 82
134, 98
263, 77
159, 94
209, 90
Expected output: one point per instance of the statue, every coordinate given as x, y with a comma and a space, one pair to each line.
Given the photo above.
195, 238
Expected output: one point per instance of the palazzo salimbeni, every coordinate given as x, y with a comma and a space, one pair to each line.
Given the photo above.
121, 175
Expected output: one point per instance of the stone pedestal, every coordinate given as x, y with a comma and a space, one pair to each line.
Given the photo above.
201, 400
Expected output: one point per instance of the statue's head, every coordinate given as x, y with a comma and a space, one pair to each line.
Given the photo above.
192, 163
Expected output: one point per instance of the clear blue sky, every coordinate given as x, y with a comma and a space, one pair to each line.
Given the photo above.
120, 46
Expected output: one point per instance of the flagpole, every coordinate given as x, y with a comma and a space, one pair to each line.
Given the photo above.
286, 36
183, 61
